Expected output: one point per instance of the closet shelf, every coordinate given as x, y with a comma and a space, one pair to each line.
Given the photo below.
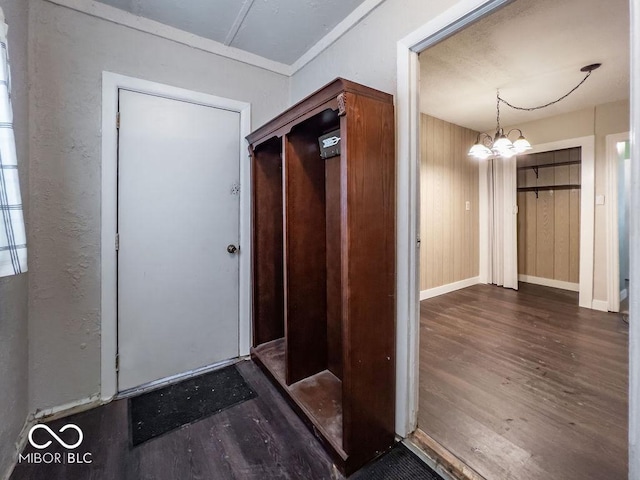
535, 168
547, 165
549, 187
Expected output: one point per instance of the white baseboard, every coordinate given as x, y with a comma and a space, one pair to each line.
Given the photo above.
67, 409
450, 287
548, 282
623, 294
601, 305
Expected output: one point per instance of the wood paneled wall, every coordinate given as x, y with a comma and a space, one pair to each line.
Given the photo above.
549, 226
448, 179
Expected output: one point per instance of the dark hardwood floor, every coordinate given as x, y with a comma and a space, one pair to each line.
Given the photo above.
525, 385
259, 439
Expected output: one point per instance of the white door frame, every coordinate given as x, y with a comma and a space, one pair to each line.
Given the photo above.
634, 249
613, 247
461, 14
587, 208
111, 83
407, 111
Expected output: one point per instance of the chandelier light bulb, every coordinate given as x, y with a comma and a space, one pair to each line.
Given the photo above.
502, 142
480, 151
521, 145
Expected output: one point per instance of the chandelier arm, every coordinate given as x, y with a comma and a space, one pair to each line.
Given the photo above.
530, 109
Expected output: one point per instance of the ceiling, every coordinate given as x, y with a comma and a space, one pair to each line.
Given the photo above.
532, 52
280, 30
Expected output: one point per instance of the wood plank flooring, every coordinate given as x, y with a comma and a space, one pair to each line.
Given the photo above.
525, 385
259, 439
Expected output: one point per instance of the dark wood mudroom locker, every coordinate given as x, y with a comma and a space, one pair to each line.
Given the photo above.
324, 265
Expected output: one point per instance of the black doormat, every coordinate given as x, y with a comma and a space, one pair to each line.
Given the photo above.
397, 464
160, 411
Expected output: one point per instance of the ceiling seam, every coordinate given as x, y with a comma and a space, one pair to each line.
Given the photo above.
242, 15
151, 27
143, 24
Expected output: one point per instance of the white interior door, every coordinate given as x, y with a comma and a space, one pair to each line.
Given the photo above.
178, 210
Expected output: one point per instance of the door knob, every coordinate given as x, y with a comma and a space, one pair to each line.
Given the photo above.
232, 249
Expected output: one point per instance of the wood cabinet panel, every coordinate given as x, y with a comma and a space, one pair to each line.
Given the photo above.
369, 277
305, 290
335, 360
268, 275
334, 265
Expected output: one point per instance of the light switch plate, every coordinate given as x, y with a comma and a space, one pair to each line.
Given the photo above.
599, 199
467, 205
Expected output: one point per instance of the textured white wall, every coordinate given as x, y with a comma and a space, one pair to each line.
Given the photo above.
13, 290
367, 53
68, 52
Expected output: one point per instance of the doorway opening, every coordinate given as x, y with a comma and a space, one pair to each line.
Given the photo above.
549, 218
623, 200
618, 226
499, 391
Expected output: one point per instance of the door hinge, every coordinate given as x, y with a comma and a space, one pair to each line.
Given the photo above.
117, 242
118, 120
117, 362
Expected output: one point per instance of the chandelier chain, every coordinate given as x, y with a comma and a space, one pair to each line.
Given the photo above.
530, 109
498, 110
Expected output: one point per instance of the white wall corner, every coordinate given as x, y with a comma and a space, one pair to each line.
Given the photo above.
364, 9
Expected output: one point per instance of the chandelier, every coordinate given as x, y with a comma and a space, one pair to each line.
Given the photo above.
500, 145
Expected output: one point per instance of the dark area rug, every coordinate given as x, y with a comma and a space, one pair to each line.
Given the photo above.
160, 411
397, 464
